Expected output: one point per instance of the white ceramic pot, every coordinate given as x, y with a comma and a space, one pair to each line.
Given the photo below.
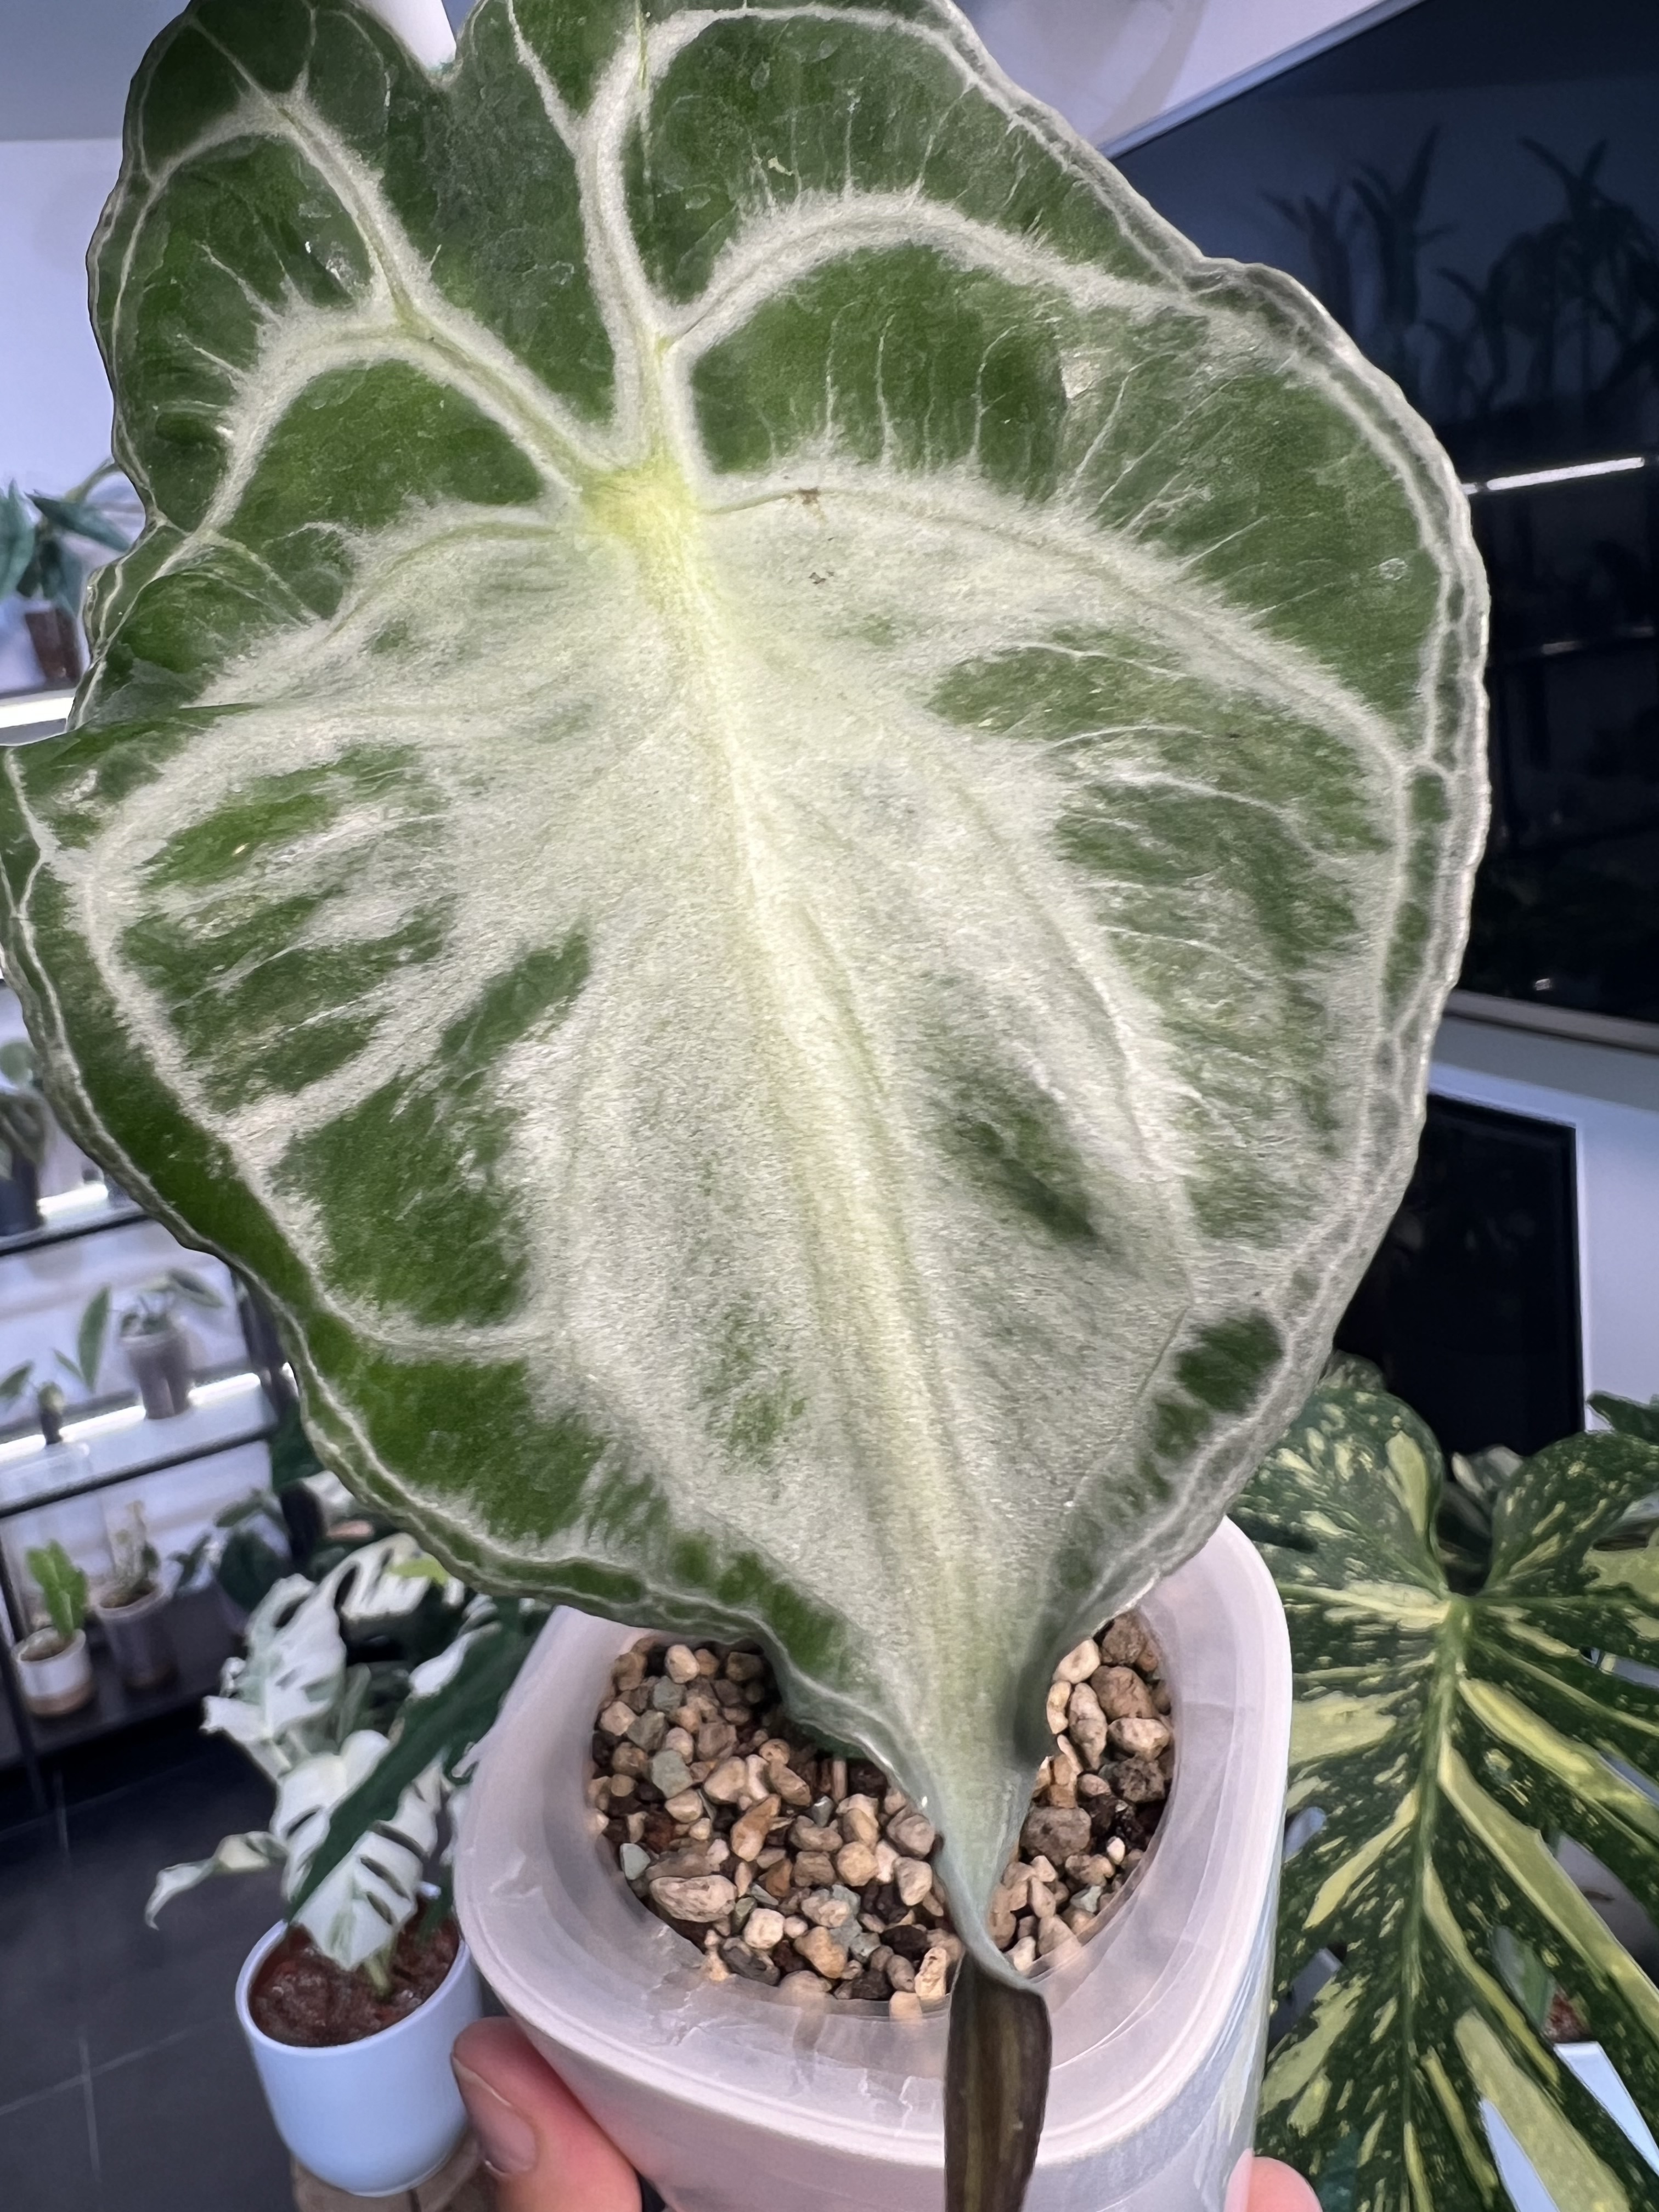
373, 2117
54, 1681
731, 2098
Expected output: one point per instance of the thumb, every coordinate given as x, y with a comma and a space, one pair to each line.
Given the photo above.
546, 2154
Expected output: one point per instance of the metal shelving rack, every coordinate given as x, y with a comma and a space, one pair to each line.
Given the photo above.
202, 1634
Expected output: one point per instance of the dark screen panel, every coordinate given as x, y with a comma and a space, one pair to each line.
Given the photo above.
1470, 1307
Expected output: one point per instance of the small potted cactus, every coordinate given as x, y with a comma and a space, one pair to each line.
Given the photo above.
54, 1668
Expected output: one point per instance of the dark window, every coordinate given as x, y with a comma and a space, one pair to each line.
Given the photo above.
1472, 187
1471, 1306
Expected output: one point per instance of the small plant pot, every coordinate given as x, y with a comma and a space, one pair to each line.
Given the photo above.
374, 2117
56, 638
160, 1367
140, 1641
55, 1678
20, 1199
732, 2098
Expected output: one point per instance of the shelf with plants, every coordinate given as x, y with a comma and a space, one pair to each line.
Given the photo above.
137, 1404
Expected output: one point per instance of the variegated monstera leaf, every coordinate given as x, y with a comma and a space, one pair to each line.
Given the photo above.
772, 822
1448, 1740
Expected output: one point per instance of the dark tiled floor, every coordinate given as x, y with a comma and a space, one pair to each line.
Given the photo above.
125, 2086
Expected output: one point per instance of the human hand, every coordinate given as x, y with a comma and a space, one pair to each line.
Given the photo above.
548, 2156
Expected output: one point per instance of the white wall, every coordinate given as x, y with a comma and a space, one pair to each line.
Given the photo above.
54, 396
1610, 1099
1113, 68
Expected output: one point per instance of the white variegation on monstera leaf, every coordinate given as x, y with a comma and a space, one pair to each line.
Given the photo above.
772, 822
1449, 1736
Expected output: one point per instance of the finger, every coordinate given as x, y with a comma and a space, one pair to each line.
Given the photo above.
1274, 2188
546, 2154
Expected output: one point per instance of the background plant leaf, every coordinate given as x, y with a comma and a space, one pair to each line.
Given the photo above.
16, 540
772, 822
1446, 1738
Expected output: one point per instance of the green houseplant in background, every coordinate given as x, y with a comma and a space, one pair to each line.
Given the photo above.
54, 1668
130, 1604
152, 1336
1456, 1635
40, 562
363, 1694
790, 801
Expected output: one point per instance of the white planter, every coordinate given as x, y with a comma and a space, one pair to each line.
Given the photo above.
731, 2098
61, 1683
373, 2117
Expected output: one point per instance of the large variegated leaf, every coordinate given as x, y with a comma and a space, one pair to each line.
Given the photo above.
772, 822
1444, 1738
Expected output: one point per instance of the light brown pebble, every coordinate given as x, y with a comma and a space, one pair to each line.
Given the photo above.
838, 1779
629, 1759
859, 1820
616, 1719
715, 1968
902, 1973
1041, 1899
630, 1671
680, 1663
779, 1879
743, 1875
856, 1864
1055, 1939
1116, 1850
803, 1988
700, 1831
682, 1741
1081, 1923
814, 1870
1091, 1786
763, 1929
727, 1782
749, 1833
696, 1898
825, 1909
1126, 1645
1043, 1868
887, 1861
1093, 1869
707, 1664
794, 1926
1023, 1957
686, 1807
1140, 1739
1000, 1920
904, 2004
1056, 1832
744, 1665
1086, 1725
794, 1789
911, 1833
622, 1789
714, 1740
807, 1836
1079, 1662
912, 1878
930, 1974
819, 1948
1060, 1695
597, 1790
1121, 1694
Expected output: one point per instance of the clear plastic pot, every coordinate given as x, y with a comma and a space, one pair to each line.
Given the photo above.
732, 2098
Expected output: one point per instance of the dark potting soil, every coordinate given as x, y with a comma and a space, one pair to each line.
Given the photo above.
299, 1996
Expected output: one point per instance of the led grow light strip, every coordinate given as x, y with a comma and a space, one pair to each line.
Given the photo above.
1579, 470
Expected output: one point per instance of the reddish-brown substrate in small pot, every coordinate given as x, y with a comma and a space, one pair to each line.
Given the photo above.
303, 1998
